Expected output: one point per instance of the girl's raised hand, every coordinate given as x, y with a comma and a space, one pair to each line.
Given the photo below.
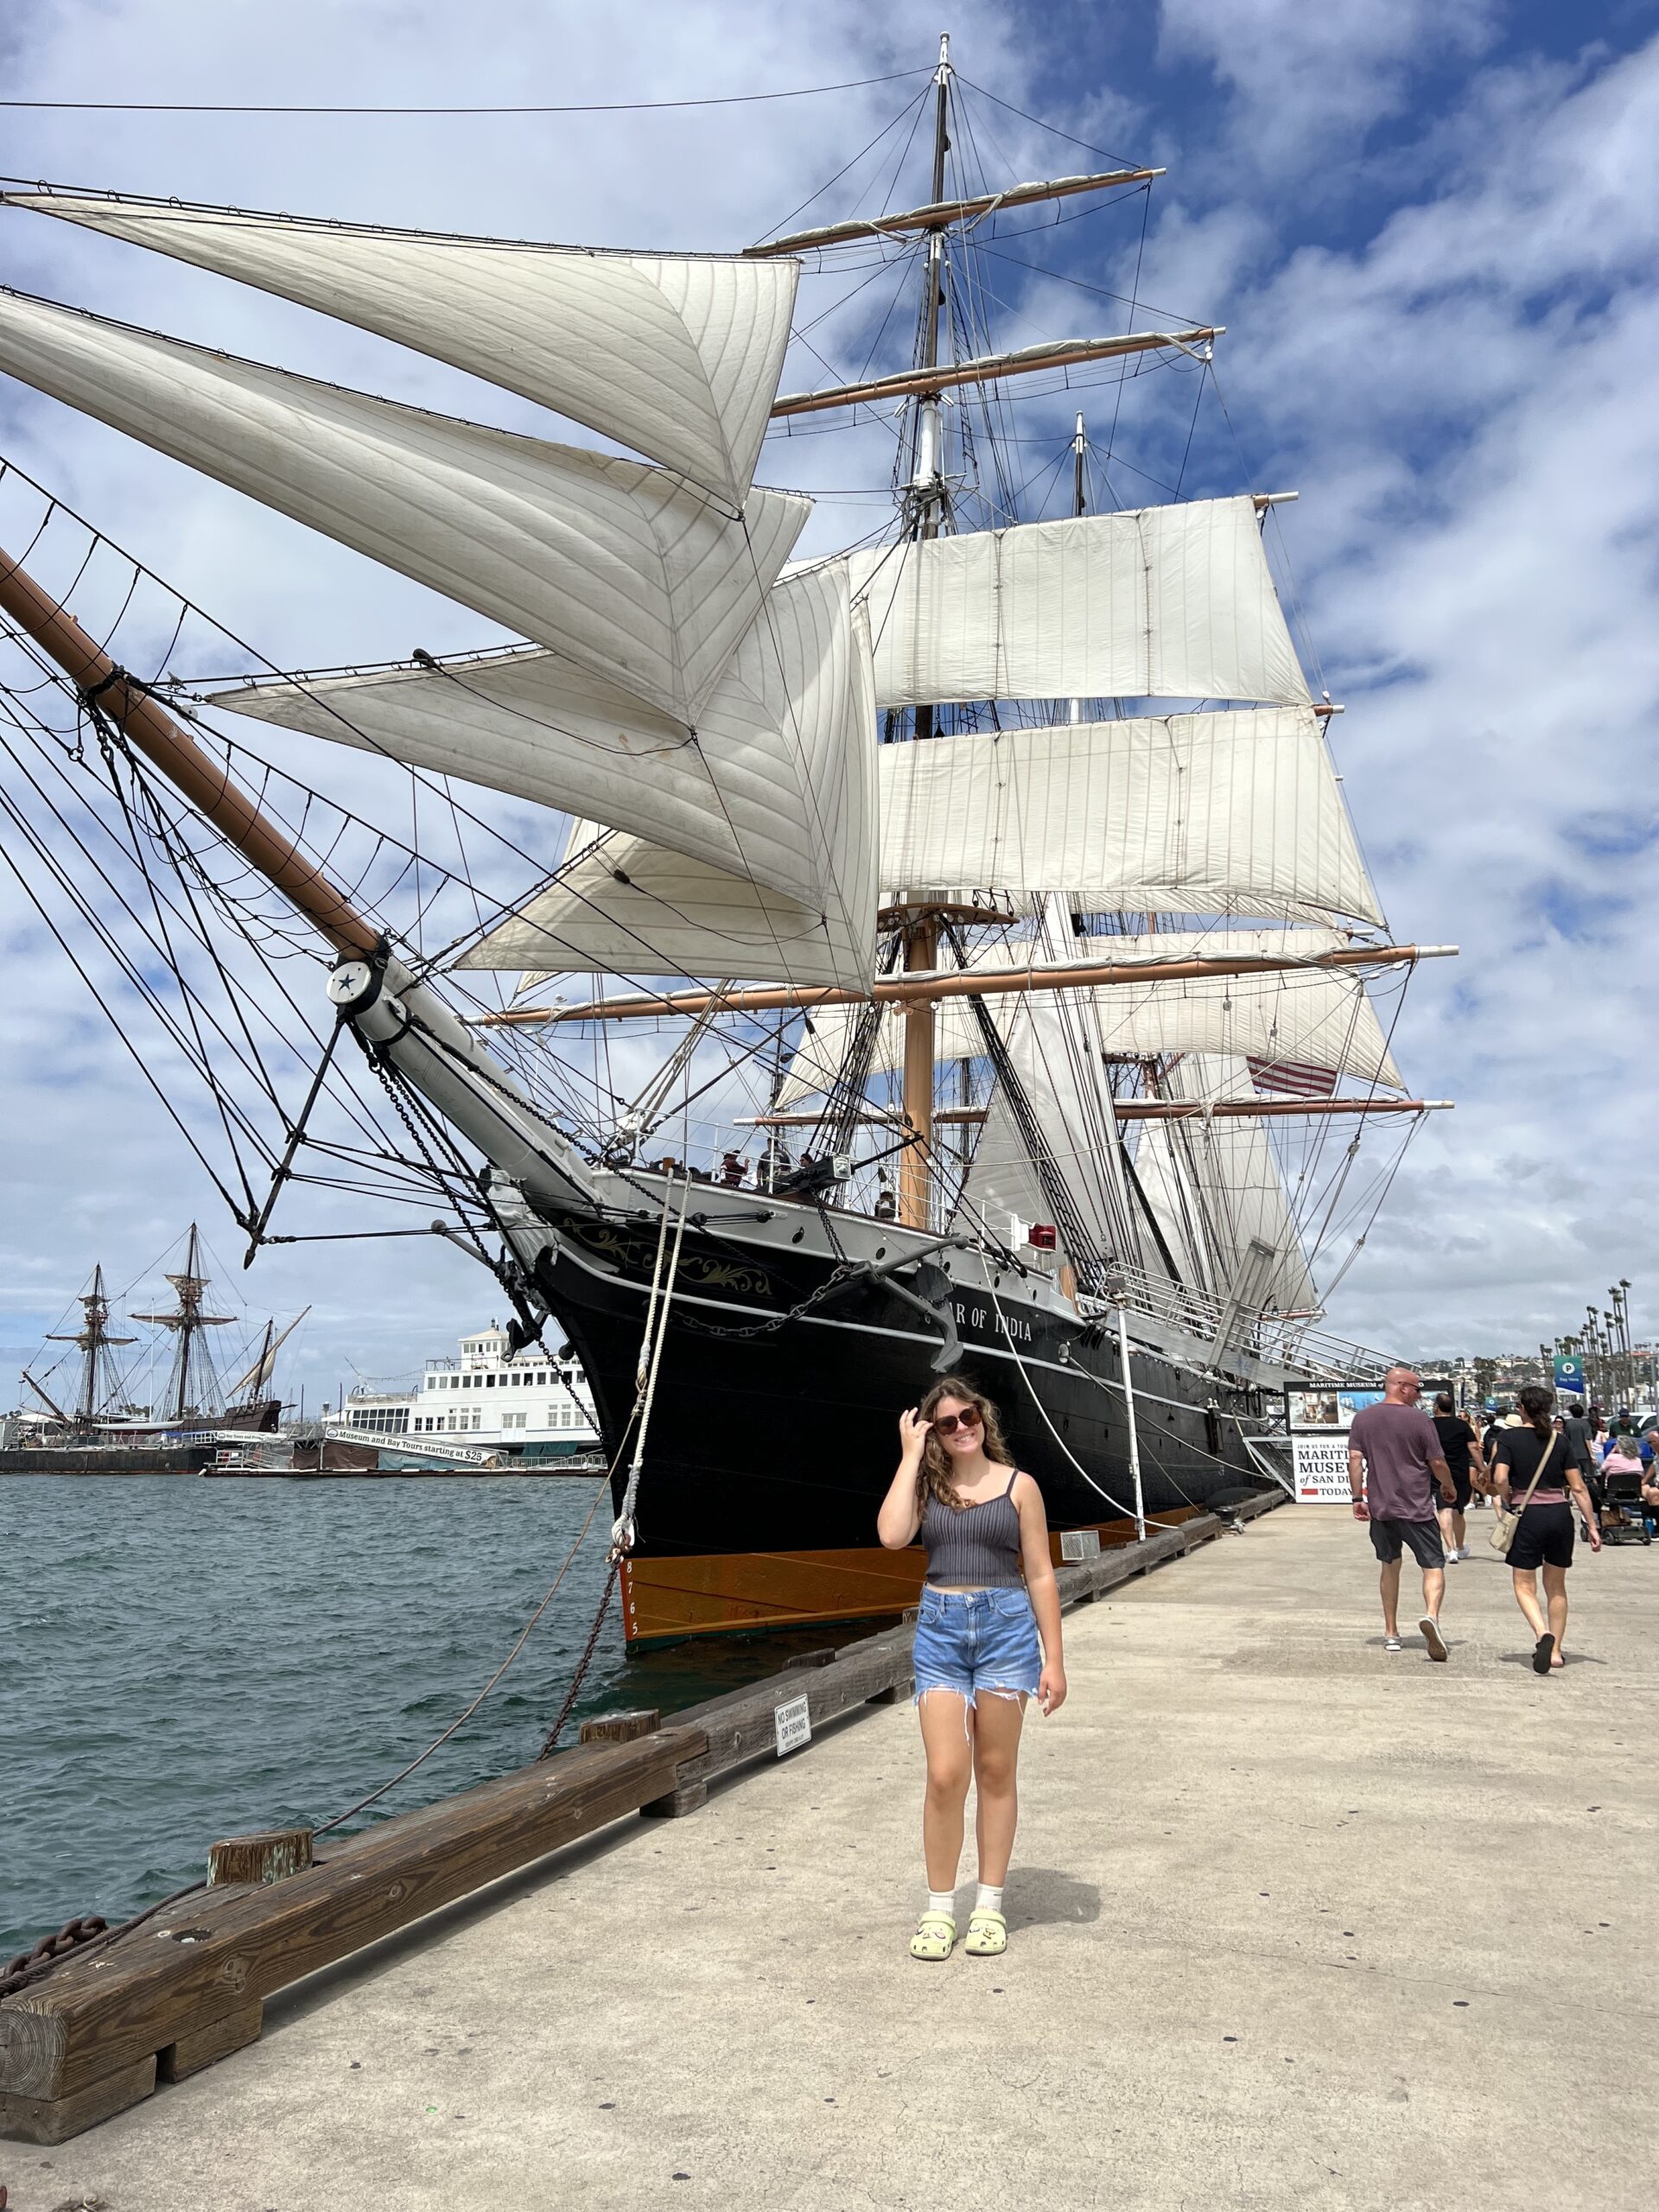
913, 1431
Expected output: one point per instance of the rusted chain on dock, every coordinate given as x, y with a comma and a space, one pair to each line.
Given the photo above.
95, 1933
17, 1972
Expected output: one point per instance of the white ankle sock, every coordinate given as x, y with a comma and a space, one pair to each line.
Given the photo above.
943, 1901
990, 1899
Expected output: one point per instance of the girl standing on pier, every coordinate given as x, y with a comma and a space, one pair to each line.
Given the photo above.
989, 1596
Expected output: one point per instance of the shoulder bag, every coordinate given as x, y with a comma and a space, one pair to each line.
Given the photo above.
1509, 1520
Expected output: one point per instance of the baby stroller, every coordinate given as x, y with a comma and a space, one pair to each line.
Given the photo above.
1626, 1519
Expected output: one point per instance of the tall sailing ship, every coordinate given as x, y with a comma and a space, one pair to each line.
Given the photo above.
194, 1398
987, 886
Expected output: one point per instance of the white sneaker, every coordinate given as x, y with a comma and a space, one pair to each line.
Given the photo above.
1392, 1643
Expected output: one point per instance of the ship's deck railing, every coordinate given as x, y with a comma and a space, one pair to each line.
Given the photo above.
1292, 1340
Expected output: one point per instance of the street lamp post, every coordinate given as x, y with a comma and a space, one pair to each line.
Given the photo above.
1620, 1295
1610, 1337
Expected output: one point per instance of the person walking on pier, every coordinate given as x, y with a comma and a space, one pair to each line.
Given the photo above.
989, 1594
1460, 1448
1576, 1427
1393, 1450
1577, 1431
1536, 1454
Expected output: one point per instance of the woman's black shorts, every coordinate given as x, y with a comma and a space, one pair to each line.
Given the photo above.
1544, 1538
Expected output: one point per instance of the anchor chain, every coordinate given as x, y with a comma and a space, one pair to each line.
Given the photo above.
18, 1972
549, 1742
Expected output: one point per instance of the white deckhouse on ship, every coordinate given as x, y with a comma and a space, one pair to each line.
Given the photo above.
489, 1399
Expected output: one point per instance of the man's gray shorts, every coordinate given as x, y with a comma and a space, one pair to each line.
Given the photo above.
1420, 1538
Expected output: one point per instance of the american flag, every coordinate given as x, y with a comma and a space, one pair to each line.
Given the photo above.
1292, 1080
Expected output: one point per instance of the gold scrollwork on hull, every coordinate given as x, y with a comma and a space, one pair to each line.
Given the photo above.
636, 1253
713, 1273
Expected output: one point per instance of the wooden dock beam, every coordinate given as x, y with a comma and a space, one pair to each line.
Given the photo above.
90, 2038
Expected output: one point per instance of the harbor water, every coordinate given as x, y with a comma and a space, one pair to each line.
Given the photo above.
186, 1659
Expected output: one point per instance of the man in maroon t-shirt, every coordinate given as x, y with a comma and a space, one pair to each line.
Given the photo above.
1398, 1447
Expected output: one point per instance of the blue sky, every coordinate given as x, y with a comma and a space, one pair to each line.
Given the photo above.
1428, 229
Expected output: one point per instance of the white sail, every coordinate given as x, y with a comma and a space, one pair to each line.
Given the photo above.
1211, 813
634, 909
1316, 1017
748, 797
1166, 602
1054, 1050
676, 356
622, 566
626, 905
1216, 1187
265, 1366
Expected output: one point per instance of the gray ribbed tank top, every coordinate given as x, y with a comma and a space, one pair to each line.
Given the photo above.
974, 1547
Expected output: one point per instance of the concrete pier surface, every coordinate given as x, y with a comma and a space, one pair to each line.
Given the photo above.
1293, 1923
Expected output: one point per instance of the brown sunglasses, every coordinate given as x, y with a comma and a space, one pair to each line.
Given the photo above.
947, 1424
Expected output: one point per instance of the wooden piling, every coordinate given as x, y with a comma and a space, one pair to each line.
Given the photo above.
272, 1855
620, 1727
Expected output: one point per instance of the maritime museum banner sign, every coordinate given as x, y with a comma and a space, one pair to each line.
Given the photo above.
1317, 1416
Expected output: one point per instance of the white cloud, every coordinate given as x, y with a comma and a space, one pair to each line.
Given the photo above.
1465, 399
1313, 79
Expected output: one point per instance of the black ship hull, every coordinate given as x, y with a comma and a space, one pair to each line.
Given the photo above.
773, 1432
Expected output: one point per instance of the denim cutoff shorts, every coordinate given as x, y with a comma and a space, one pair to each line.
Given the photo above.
974, 1640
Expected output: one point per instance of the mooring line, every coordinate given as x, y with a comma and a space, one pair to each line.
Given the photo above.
374, 1795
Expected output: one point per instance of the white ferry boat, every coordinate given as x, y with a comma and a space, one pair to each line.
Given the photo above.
519, 1405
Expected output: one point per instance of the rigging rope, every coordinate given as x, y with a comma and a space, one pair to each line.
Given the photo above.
654, 1337
1125, 1511
598, 107
374, 1795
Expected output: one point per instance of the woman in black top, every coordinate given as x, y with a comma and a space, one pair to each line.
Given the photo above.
1460, 1449
1545, 1536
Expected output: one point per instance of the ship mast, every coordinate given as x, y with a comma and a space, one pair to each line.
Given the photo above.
920, 924
186, 1321
94, 1339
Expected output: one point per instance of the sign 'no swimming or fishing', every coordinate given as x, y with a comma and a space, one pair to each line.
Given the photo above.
793, 1723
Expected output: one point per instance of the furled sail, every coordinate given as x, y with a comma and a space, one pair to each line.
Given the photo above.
782, 730
1172, 602
1216, 1188
625, 905
1319, 1017
623, 568
1209, 813
676, 356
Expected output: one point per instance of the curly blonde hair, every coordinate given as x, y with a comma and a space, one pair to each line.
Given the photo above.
934, 1478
